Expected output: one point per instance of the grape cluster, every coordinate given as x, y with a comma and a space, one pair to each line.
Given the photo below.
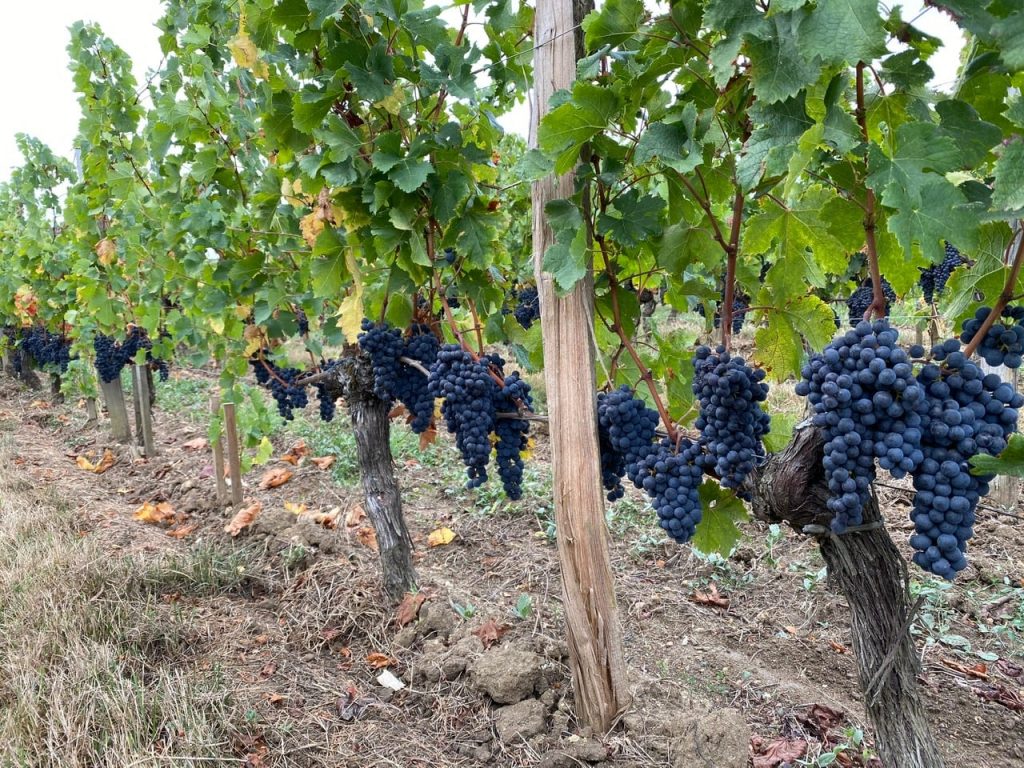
469, 393
112, 356
384, 345
512, 435
861, 299
672, 478
47, 349
1003, 343
934, 278
325, 393
626, 429
967, 413
281, 382
869, 405
732, 422
740, 305
411, 387
528, 306
303, 322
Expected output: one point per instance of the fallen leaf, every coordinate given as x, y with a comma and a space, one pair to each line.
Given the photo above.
154, 514
324, 462
274, 478
711, 597
379, 660
350, 707
42, 405
821, 719
1010, 669
243, 519
978, 671
199, 444
428, 437
409, 608
355, 516
295, 509
490, 632
1000, 694
182, 531
330, 633
328, 519
838, 647
276, 699
268, 670
104, 464
300, 449
778, 752
367, 537
290, 458
440, 537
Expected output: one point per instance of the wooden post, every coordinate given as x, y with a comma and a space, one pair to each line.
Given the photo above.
91, 411
113, 396
218, 456
7, 363
55, 384
234, 454
588, 588
136, 404
145, 414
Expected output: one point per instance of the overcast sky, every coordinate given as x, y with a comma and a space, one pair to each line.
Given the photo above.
36, 94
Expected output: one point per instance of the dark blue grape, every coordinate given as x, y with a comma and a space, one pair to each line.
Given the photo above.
934, 278
528, 306
1003, 343
672, 478
626, 428
384, 346
732, 422
861, 299
870, 406
50, 351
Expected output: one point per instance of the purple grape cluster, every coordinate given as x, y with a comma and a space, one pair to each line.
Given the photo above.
1003, 343
626, 428
934, 278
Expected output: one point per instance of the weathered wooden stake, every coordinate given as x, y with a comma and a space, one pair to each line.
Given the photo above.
91, 411
143, 402
218, 456
117, 411
234, 454
588, 587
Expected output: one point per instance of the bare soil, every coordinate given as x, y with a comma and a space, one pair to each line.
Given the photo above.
729, 659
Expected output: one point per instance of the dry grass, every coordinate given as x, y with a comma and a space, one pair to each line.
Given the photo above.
94, 667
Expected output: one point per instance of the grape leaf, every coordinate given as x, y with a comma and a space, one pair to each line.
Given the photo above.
1009, 186
1009, 32
613, 24
567, 127
841, 31
778, 69
718, 530
938, 213
1010, 462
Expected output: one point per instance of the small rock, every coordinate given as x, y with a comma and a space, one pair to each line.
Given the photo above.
435, 619
520, 721
588, 750
556, 760
720, 738
507, 674
459, 656
549, 698
405, 637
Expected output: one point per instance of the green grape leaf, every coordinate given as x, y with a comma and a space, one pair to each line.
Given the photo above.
938, 213
778, 69
674, 144
1009, 32
922, 151
842, 31
409, 174
987, 276
1009, 186
973, 136
566, 128
1010, 462
718, 530
781, 432
632, 219
613, 24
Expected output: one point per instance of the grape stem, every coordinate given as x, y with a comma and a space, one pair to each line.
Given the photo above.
730, 267
1005, 297
877, 306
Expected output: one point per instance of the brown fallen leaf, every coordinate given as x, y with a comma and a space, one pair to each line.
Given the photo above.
355, 516
778, 752
276, 699
711, 597
275, 478
155, 514
367, 537
243, 519
199, 444
181, 531
300, 449
428, 437
1000, 694
409, 608
268, 670
978, 671
295, 508
838, 647
490, 632
290, 458
379, 660
440, 537
323, 462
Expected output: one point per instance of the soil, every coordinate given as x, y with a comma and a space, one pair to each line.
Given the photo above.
728, 658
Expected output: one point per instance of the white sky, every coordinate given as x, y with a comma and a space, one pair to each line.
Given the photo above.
37, 98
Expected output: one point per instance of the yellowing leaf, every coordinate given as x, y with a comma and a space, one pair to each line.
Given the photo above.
440, 537
295, 509
243, 519
106, 251
352, 305
104, 464
244, 50
323, 462
154, 514
311, 225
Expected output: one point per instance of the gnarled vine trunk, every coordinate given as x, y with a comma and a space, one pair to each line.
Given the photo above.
872, 575
371, 424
